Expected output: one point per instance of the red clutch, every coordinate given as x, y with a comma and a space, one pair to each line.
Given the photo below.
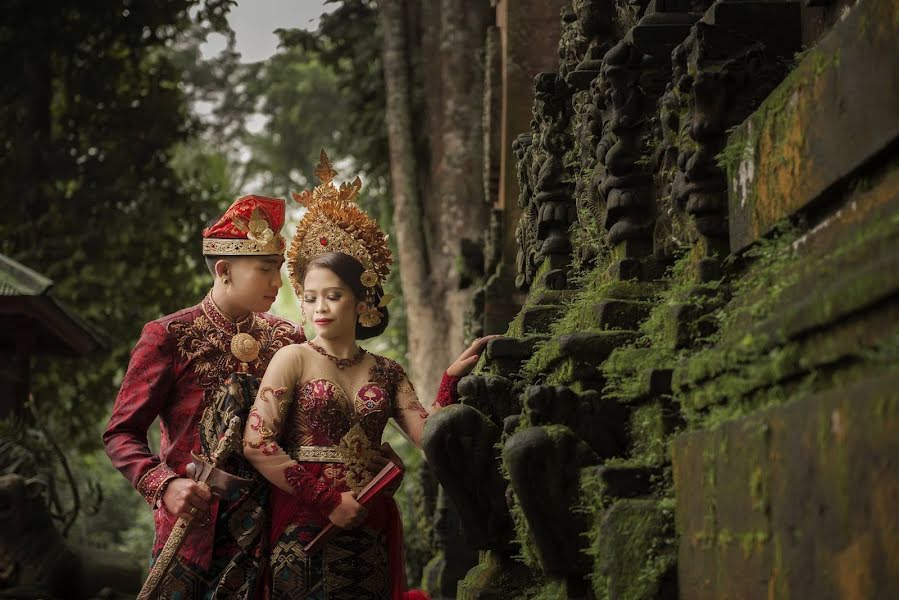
390, 473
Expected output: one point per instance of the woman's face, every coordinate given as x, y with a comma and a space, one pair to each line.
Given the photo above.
329, 304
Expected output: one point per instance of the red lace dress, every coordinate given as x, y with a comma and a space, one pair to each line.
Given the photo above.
312, 440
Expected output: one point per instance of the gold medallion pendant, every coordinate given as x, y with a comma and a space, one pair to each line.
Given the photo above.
245, 347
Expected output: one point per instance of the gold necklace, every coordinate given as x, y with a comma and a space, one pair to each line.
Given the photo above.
341, 363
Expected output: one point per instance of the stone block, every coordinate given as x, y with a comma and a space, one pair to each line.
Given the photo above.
507, 353
593, 347
777, 24
794, 501
621, 314
626, 481
537, 319
833, 113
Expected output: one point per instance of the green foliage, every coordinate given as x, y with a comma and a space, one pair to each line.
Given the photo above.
416, 506
94, 190
547, 590
638, 549
348, 43
105, 189
304, 109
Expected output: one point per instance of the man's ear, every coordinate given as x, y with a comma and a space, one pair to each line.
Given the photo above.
222, 267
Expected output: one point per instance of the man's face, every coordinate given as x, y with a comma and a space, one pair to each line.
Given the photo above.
255, 281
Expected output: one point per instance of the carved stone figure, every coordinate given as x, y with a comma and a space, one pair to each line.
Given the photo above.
37, 562
544, 465
459, 445
596, 24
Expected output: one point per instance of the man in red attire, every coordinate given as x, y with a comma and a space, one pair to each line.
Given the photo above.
179, 363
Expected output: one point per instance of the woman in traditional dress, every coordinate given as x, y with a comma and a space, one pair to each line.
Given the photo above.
315, 429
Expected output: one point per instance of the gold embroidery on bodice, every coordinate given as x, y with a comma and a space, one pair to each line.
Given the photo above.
323, 416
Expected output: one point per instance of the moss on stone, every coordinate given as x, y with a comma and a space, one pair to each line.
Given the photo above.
527, 552
636, 552
649, 431
548, 590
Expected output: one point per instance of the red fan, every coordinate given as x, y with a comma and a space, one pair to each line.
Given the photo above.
383, 479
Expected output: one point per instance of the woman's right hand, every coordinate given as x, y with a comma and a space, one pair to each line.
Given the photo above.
349, 513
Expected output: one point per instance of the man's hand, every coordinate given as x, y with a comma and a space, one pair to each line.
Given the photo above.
186, 498
348, 513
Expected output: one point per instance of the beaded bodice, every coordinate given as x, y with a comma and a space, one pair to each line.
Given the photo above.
323, 415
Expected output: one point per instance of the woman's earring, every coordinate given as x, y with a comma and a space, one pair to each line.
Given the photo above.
303, 314
226, 280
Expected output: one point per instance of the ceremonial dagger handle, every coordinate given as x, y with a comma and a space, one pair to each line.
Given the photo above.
166, 557
230, 441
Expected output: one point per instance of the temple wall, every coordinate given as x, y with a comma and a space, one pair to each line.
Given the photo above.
698, 396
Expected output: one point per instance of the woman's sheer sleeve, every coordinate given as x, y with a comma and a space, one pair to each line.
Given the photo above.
410, 415
264, 429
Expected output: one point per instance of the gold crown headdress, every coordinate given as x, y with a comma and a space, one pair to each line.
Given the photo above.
335, 223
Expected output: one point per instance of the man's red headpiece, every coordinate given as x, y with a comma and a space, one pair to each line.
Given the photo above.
250, 227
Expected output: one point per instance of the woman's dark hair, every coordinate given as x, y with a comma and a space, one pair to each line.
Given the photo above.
350, 272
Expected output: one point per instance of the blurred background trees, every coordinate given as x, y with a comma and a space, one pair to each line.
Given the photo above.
105, 184
123, 137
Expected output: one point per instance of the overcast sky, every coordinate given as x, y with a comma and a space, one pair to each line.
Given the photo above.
254, 22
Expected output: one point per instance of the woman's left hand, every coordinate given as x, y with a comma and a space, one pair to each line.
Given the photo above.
469, 358
388, 454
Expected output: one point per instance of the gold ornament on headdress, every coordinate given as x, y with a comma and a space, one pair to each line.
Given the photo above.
335, 223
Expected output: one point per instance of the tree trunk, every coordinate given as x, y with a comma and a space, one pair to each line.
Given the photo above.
426, 323
437, 185
461, 210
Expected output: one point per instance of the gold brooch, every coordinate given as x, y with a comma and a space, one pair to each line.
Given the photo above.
244, 347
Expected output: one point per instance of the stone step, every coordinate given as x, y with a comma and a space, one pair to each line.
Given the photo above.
625, 481
538, 319
836, 92
594, 347
507, 354
621, 314
637, 546
549, 297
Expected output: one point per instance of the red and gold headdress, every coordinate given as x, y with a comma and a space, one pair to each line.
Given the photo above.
250, 227
334, 223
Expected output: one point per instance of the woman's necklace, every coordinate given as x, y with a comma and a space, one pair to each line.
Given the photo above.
341, 363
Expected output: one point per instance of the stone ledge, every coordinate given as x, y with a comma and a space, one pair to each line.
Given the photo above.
835, 111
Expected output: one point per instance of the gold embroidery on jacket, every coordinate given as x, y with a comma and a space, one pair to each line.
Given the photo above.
208, 347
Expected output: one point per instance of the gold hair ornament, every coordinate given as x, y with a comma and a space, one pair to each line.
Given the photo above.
335, 223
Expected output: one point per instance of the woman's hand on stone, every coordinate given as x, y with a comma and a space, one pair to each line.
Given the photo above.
469, 358
349, 513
